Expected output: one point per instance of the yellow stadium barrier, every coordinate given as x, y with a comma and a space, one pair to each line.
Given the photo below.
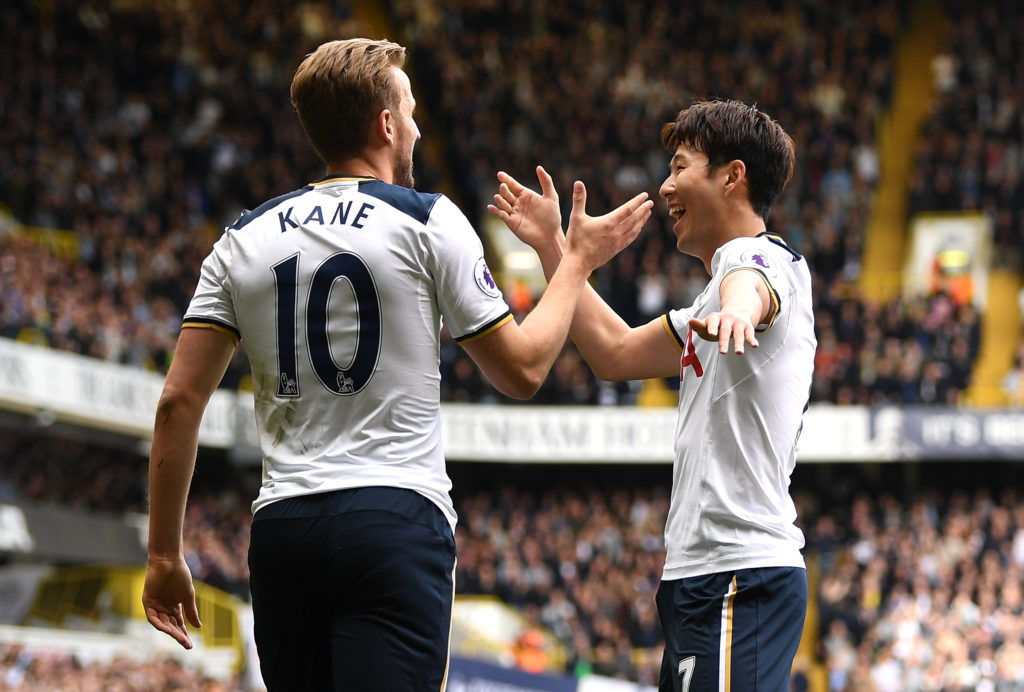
102, 597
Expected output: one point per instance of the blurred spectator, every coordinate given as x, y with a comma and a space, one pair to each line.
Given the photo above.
1013, 381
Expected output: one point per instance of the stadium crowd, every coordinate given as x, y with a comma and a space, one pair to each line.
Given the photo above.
970, 153
145, 160
47, 469
38, 669
924, 592
583, 562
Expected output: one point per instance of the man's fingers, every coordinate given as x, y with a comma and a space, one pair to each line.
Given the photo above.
512, 183
638, 217
170, 624
579, 198
738, 336
192, 613
547, 185
741, 334
501, 208
732, 328
641, 215
632, 207
506, 194
501, 203
700, 326
635, 229
713, 322
503, 215
723, 328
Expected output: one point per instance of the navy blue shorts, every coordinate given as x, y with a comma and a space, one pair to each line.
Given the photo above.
733, 630
352, 590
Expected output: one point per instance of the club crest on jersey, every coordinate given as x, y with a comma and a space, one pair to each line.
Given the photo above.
484, 280
758, 258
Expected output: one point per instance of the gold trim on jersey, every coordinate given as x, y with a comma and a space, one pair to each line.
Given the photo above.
484, 332
211, 325
765, 324
776, 303
672, 332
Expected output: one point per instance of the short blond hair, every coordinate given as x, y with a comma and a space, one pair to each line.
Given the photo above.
340, 88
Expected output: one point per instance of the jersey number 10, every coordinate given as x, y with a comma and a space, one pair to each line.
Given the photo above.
342, 381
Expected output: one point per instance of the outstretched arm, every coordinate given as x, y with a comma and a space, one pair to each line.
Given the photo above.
746, 303
613, 350
200, 359
517, 357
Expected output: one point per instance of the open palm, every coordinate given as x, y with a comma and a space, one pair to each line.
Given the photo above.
534, 218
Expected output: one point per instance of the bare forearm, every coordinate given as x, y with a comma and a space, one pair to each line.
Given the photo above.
596, 329
516, 359
171, 463
746, 296
547, 325
746, 303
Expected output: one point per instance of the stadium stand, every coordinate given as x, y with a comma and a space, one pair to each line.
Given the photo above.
40, 670
117, 174
48, 469
907, 558
968, 156
923, 590
144, 162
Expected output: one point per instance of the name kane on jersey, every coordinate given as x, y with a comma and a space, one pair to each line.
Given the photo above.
339, 218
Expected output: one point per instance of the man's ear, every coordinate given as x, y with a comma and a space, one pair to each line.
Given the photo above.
384, 126
735, 175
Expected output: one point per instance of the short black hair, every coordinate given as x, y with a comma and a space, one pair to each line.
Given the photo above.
726, 130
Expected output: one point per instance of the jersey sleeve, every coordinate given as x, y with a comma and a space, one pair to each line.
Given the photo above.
212, 305
469, 298
762, 256
677, 324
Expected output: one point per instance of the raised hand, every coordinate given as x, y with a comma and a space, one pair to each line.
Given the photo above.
534, 219
599, 238
169, 597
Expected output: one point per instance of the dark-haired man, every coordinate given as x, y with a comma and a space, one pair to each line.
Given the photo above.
733, 595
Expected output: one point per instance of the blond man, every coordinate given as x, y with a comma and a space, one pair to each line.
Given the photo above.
338, 291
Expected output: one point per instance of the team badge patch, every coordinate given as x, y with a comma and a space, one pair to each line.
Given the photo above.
484, 279
756, 258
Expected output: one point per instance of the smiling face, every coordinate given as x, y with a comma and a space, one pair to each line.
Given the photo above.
695, 201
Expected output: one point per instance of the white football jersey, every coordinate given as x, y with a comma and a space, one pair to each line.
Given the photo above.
739, 423
338, 291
